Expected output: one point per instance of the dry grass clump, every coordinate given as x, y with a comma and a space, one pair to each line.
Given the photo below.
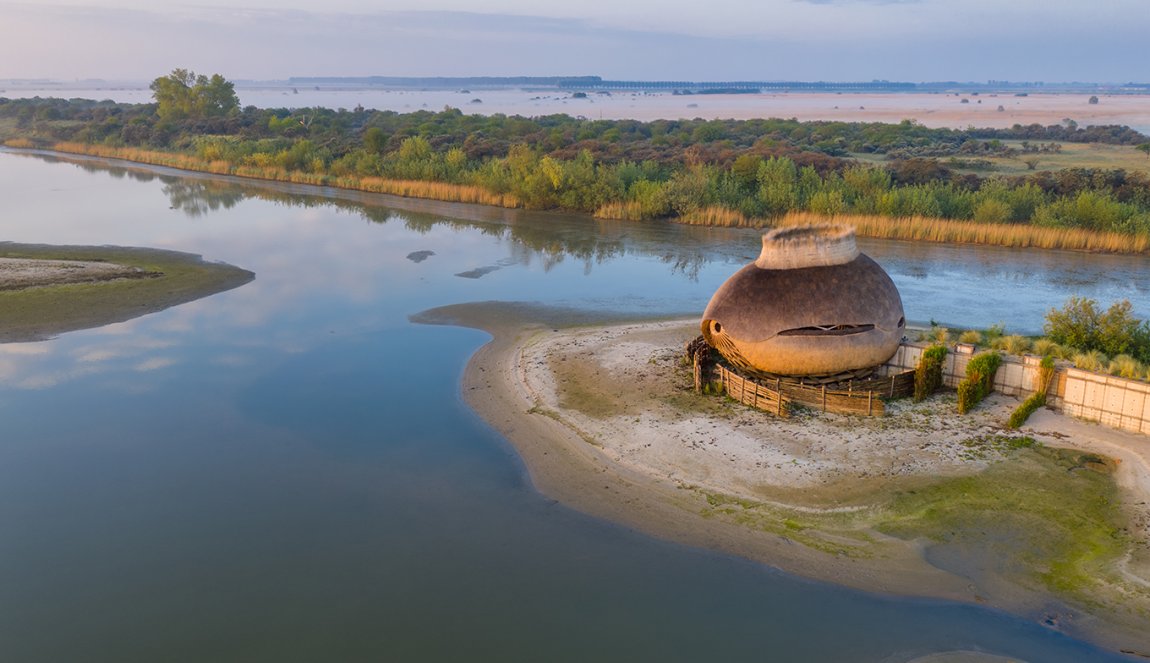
1093, 361
1013, 344
1125, 366
971, 336
937, 335
924, 229
1045, 347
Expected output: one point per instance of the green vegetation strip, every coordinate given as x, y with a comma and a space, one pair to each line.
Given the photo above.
39, 313
1051, 516
1044, 517
716, 172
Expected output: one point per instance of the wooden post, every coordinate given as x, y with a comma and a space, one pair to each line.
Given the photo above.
698, 375
824, 398
869, 400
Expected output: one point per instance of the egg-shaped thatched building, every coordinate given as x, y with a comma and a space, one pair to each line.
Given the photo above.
811, 305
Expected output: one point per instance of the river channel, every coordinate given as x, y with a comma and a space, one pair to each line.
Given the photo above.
287, 471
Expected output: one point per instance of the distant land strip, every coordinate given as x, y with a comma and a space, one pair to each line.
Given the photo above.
599, 83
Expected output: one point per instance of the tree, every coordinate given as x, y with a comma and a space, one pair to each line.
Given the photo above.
1144, 147
1093, 100
1075, 325
1080, 324
183, 95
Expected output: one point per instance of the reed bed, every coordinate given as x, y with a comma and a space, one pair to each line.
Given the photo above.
623, 210
916, 228
459, 193
719, 216
923, 229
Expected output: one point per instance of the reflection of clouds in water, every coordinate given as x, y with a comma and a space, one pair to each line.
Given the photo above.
26, 349
230, 360
325, 266
154, 364
33, 380
97, 354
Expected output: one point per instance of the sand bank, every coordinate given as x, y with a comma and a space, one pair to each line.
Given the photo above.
48, 290
607, 423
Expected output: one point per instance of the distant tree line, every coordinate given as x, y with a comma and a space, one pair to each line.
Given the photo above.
641, 170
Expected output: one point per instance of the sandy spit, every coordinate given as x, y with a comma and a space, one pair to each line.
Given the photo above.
650, 461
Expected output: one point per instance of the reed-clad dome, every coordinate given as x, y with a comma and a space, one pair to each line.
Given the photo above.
810, 305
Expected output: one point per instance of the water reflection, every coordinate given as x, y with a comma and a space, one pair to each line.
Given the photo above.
293, 458
198, 197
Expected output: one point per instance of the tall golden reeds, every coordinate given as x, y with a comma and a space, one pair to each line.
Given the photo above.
630, 210
923, 229
719, 216
461, 193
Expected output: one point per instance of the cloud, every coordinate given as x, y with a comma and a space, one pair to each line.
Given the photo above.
726, 39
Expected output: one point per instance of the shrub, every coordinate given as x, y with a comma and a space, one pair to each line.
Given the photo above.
1027, 408
979, 380
1045, 373
970, 336
1081, 324
1038, 398
928, 373
967, 396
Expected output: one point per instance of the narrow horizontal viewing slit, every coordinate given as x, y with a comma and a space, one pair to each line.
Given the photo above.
827, 330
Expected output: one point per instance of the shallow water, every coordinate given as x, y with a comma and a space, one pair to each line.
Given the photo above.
286, 471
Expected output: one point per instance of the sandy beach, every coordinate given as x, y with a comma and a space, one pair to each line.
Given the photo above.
606, 422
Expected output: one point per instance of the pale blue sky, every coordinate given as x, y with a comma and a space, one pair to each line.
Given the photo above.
913, 40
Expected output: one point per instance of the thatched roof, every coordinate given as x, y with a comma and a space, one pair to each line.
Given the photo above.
819, 306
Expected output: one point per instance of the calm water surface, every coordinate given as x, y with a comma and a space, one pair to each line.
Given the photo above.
286, 472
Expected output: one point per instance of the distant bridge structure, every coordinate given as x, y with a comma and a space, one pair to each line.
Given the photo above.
737, 86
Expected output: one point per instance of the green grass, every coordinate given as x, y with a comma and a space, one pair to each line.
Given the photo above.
1052, 516
1045, 517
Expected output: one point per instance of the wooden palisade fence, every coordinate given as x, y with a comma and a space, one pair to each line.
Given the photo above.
860, 397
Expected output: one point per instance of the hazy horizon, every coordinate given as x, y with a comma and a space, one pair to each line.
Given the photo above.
835, 40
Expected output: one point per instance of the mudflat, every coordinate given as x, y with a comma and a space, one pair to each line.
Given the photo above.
47, 290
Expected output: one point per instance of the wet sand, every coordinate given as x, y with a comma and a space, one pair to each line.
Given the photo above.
606, 423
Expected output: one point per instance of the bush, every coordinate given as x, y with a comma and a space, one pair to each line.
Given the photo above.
1027, 408
928, 373
967, 396
1038, 398
979, 380
1081, 324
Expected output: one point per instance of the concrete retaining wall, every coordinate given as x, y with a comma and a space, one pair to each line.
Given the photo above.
1112, 401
